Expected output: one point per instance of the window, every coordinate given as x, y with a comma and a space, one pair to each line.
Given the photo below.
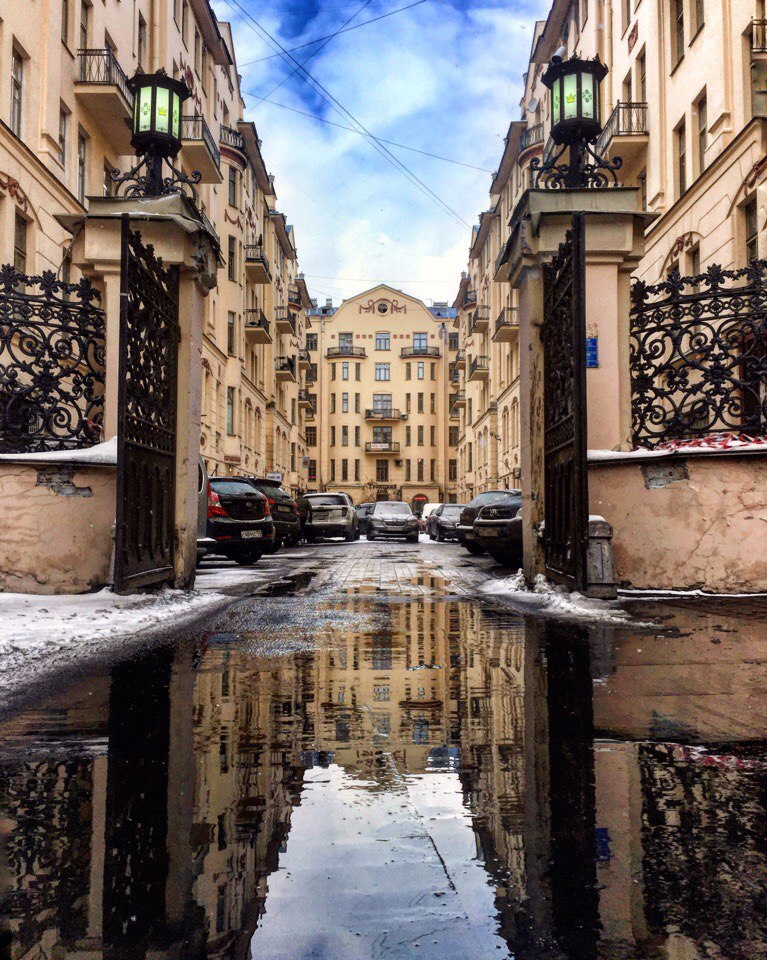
383, 371
357, 403
232, 259
332, 371
344, 403
752, 231
408, 436
702, 133
453, 436
345, 341
452, 469
332, 436
381, 402
382, 471
420, 369
344, 436
230, 411
700, 14
681, 154
433, 470
407, 402
63, 124
357, 440
678, 30
358, 371
230, 334
469, 457
311, 436
695, 266
312, 471
420, 403
420, 342
469, 412
433, 436
382, 435
85, 16
433, 373
419, 475
356, 469
434, 403
332, 469
232, 186
196, 51
408, 372
311, 341
345, 370
184, 19
625, 14
142, 44
311, 376
383, 341
452, 341
332, 403
420, 436
642, 77
408, 470
204, 68
344, 469
17, 92
109, 184
642, 180
65, 21
20, 244
82, 166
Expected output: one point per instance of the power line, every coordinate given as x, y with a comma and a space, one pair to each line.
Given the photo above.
340, 108
329, 36
319, 276
392, 143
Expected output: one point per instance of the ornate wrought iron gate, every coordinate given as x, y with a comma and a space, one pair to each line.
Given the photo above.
146, 435
564, 350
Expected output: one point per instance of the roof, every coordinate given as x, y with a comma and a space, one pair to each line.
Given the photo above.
443, 313
208, 24
481, 233
509, 156
283, 234
247, 130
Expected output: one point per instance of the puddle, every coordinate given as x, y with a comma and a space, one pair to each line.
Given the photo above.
351, 779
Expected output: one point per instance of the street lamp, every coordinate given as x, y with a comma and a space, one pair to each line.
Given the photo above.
156, 128
576, 123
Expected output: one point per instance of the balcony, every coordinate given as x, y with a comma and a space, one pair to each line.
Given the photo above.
285, 369
304, 360
480, 321
385, 413
284, 321
460, 361
294, 297
257, 327
625, 134
532, 137
479, 369
455, 413
257, 267
758, 36
407, 353
199, 150
101, 88
506, 326
307, 400
231, 138
333, 353
382, 447
469, 300
458, 399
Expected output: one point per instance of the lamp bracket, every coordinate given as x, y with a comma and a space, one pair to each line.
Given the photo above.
586, 169
151, 182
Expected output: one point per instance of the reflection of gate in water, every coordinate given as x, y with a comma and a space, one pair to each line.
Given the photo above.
149, 336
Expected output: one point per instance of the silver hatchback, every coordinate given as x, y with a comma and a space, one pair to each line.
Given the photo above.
331, 515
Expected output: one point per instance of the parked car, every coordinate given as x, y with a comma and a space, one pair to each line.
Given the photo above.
443, 522
363, 512
287, 524
423, 519
331, 515
392, 518
239, 520
204, 542
498, 530
469, 513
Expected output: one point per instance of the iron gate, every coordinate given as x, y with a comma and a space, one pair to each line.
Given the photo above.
146, 433
564, 351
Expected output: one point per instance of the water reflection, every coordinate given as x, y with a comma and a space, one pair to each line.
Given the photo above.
438, 780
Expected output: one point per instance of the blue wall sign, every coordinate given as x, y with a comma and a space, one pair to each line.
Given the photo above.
592, 351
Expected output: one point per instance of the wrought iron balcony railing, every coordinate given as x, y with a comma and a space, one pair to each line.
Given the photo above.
530, 137
254, 255
231, 138
255, 319
284, 321
194, 127
101, 66
345, 351
294, 295
383, 413
408, 352
382, 446
480, 319
285, 365
758, 35
478, 365
627, 119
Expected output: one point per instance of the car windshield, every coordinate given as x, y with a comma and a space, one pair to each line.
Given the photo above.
398, 509
232, 487
330, 500
494, 496
272, 490
451, 511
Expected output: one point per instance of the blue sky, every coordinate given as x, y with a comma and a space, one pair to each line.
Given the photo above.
445, 77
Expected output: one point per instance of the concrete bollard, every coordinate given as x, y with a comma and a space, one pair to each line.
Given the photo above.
600, 570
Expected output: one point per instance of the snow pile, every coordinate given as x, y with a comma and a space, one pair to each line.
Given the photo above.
550, 600
102, 454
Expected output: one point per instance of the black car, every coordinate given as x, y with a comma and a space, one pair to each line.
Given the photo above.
498, 530
392, 518
239, 520
363, 512
469, 513
287, 523
443, 522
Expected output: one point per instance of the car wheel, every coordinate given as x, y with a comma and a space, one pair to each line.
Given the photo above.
413, 539
294, 541
474, 549
440, 536
274, 546
371, 537
357, 535
247, 557
350, 538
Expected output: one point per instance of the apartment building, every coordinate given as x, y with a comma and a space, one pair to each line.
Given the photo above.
684, 105
378, 427
65, 109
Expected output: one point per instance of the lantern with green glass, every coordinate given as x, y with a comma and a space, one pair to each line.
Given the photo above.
157, 102
575, 99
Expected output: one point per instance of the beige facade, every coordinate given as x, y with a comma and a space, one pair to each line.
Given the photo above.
64, 104
382, 364
684, 106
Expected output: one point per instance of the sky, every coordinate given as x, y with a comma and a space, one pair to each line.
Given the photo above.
444, 77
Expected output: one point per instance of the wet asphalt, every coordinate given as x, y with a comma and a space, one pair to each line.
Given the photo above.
371, 755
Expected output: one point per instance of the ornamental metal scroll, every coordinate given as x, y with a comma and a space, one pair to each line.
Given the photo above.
51, 363
698, 355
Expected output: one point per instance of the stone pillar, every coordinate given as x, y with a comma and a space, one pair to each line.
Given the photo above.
614, 246
179, 236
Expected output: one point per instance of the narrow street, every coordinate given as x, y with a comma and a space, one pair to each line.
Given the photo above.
375, 755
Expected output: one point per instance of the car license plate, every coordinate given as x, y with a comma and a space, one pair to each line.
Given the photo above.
251, 534
490, 532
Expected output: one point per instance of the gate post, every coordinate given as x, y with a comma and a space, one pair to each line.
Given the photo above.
614, 246
180, 238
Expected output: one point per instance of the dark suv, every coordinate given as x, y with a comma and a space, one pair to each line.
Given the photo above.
287, 524
465, 528
239, 520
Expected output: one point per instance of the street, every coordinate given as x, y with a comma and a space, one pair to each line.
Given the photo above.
378, 751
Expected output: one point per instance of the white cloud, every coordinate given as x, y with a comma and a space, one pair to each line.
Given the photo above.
440, 77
